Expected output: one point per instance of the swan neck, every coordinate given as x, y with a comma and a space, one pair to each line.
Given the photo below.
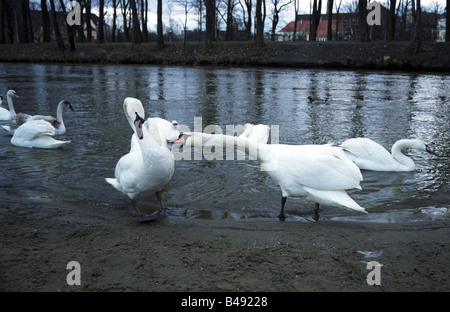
59, 116
253, 150
398, 154
12, 112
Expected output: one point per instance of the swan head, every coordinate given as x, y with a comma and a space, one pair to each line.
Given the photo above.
429, 150
416, 144
174, 125
138, 122
135, 113
67, 104
11, 93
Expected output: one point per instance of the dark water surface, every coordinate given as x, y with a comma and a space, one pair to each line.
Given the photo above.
308, 106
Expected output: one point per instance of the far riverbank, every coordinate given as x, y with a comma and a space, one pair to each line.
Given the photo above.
433, 56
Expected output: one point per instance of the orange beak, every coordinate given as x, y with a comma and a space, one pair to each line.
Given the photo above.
179, 140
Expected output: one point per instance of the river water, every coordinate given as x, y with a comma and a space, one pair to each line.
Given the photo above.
307, 106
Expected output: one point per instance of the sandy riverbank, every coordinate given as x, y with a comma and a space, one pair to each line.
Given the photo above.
180, 253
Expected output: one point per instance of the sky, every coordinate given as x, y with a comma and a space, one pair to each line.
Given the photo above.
286, 15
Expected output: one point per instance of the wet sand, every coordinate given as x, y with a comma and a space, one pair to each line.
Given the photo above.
183, 254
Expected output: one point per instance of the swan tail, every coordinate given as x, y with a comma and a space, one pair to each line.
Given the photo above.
7, 128
334, 198
113, 182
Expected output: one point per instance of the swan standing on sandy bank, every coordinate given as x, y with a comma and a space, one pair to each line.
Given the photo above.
147, 168
321, 174
369, 155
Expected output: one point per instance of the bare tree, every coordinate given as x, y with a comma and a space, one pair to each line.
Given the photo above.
45, 22
144, 18
114, 3
392, 20
55, 26
187, 6
229, 30
210, 6
70, 29
338, 8
259, 42
277, 7
330, 20
362, 14
88, 21
159, 26
447, 22
101, 22
315, 19
416, 13
136, 27
124, 10
296, 9
248, 20
198, 6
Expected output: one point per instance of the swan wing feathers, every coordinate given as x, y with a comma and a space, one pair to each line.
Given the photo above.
364, 148
317, 170
33, 129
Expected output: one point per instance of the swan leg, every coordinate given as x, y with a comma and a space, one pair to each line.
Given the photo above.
163, 209
316, 212
283, 202
145, 217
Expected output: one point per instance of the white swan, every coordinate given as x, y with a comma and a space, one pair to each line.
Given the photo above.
256, 133
253, 133
147, 168
318, 173
4, 113
369, 155
37, 134
11, 113
168, 130
58, 122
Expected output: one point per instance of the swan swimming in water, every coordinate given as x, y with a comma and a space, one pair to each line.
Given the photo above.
147, 168
60, 127
11, 113
369, 155
36, 133
321, 174
4, 113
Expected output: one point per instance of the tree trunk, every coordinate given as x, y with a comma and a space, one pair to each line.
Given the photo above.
259, 42
417, 38
137, 39
55, 27
101, 22
144, 8
2, 21
392, 15
447, 22
362, 14
315, 20
159, 26
229, 30
69, 29
126, 32
114, 25
210, 6
45, 22
88, 22
330, 20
